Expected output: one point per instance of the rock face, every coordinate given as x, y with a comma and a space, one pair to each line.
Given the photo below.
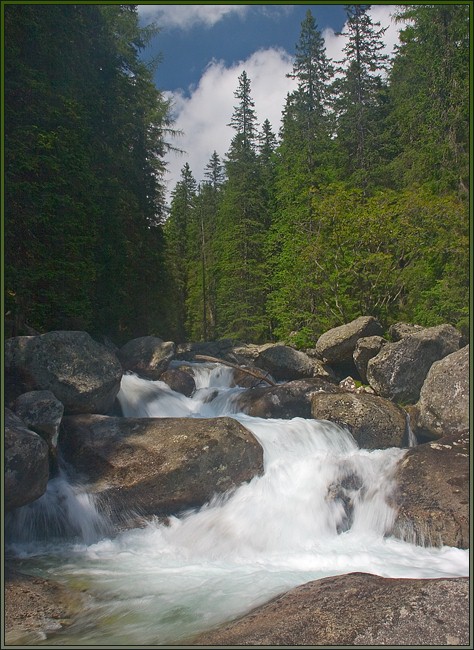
290, 400
374, 422
399, 369
179, 381
42, 413
159, 465
399, 331
338, 344
355, 609
433, 493
81, 373
26, 463
285, 363
366, 349
444, 398
148, 356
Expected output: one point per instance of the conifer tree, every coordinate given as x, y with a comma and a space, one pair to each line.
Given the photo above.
429, 90
304, 168
201, 291
361, 96
241, 232
177, 244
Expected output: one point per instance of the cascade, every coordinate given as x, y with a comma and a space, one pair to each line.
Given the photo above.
321, 508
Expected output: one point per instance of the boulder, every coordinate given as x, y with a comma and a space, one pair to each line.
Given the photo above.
159, 465
42, 413
355, 609
399, 331
432, 493
179, 380
443, 407
147, 356
337, 345
365, 349
374, 422
285, 363
26, 463
81, 373
399, 369
286, 401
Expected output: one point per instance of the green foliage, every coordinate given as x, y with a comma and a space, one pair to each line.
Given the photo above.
84, 146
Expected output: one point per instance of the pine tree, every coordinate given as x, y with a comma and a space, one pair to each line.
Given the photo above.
178, 243
240, 265
361, 96
429, 89
304, 167
201, 291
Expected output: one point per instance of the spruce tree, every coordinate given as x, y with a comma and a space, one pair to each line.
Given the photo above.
361, 96
240, 264
178, 245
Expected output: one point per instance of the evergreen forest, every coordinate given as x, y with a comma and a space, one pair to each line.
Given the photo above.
358, 205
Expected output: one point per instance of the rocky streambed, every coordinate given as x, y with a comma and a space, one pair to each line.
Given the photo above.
62, 402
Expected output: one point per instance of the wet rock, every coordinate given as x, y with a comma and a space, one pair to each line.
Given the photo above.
147, 356
285, 401
159, 466
285, 363
443, 407
81, 373
42, 413
432, 493
179, 380
26, 463
35, 608
338, 344
365, 349
399, 369
355, 609
374, 422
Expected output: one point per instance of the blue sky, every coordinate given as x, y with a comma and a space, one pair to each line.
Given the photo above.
205, 48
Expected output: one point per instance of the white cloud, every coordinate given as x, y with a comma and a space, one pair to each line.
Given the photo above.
382, 14
186, 16
203, 117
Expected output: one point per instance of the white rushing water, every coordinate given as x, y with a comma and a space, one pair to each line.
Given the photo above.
319, 509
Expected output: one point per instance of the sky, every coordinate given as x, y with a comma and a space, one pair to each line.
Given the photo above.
204, 48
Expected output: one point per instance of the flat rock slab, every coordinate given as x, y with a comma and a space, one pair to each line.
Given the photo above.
355, 609
35, 607
159, 466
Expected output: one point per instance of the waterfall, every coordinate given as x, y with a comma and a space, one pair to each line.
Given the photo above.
320, 508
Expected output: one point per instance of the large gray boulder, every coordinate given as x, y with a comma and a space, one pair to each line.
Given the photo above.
399, 369
365, 349
26, 463
432, 493
290, 400
355, 609
148, 356
42, 413
159, 466
443, 407
285, 363
399, 331
337, 345
82, 374
374, 422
